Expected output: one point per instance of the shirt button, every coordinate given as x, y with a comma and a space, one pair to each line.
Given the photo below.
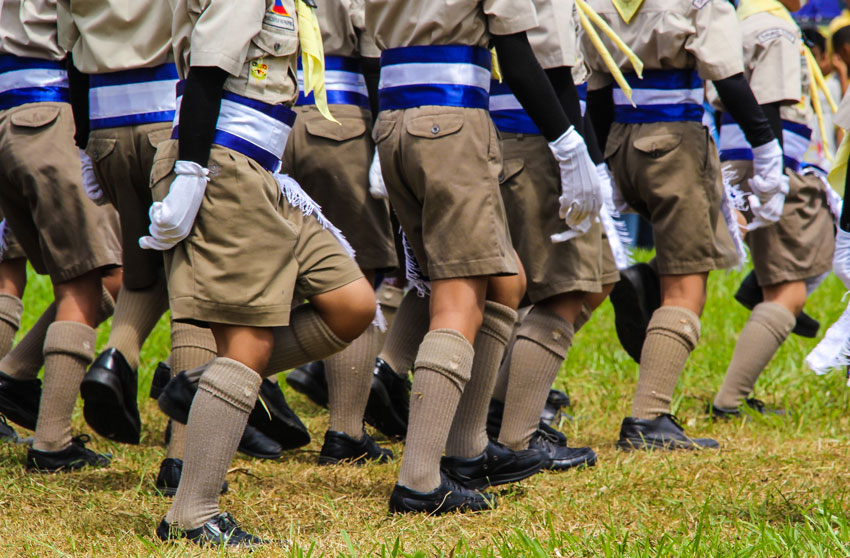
277, 46
435, 129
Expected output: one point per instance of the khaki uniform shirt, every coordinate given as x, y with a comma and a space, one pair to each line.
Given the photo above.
554, 40
343, 25
400, 23
842, 117
671, 35
114, 35
28, 28
255, 41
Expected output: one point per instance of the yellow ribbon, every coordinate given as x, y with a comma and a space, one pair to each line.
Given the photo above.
817, 84
312, 57
496, 69
838, 175
627, 8
586, 15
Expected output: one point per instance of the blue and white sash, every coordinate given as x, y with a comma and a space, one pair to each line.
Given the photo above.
735, 147
253, 128
661, 96
31, 80
582, 97
506, 112
132, 97
447, 75
344, 83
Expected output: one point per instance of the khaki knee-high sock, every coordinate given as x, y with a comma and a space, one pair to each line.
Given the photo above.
11, 309
305, 339
26, 359
672, 334
540, 349
191, 347
769, 326
442, 369
136, 314
349, 374
468, 435
583, 317
409, 328
500, 390
68, 351
226, 394
390, 298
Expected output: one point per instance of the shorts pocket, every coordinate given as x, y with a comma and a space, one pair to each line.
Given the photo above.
100, 148
435, 126
659, 145
158, 136
351, 128
163, 164
510, 169
382, 129
35, 116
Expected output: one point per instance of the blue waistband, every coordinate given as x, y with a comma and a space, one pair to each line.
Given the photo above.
661, 96
339, 93
340, 64
132, 97
164, 72
795, 140
11, 63
38, 81
508, 116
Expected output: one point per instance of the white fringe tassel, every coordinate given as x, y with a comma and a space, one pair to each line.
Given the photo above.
413, 272
380, 320
834, 349
833, 198
732, 200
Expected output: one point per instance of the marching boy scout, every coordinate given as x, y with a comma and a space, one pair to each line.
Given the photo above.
240, 243
441, 159
800, 245
666, 168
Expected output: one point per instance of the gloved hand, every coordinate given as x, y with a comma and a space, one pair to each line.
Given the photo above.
90, 184
573, 232
768, 176
173, 217
376, 179
581, 193
841, 258
766, 213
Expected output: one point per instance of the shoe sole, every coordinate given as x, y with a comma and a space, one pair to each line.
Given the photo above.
465, 507
17, 414
590, 461
641, 444
378, 406
628, 313
304, 384
498, 480
104, 408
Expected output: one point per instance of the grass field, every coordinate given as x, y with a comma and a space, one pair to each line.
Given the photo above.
778, 487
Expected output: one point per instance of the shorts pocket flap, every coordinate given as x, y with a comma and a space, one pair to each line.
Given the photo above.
435, 126
382, 129
99, 148
35, 117
350, 129
511, 168
658, 145
158, 136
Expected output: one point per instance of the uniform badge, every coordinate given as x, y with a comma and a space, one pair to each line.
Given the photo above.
279, 17
259, 69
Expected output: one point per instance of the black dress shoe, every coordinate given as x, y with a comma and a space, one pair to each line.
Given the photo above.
635, 297
74, 457
311, 381
497, 465
662, 433
388, 407
19, 400
7, 433
176, 398
256, 444
161, 377
109, 398
340, 447
222, 530
749, 294
273, 417
556, 401
448, 497
756, 405
494, 423
170, 471
560, 456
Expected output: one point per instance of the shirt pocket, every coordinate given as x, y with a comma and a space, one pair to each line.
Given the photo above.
278, 35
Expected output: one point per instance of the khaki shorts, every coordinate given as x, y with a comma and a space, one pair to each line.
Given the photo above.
122, 160
249, 252
801, 244
331, 162
531, 189
42, 196
610, 271
669, 173
442, 166
11, 249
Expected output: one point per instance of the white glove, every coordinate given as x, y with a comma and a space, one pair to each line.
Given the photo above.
581, 193
376, 179
610, 192
768, 177
173, 217
841, 259
574, 232
90, 184
766, 213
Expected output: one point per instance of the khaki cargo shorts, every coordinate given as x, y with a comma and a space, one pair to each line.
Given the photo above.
331, 162
249, 253
669, 173
41, 194
442, 166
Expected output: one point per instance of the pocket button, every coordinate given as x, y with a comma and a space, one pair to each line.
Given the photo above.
277, 46
435, 129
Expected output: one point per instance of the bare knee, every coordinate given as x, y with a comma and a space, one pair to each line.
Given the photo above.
348, 310
791, 295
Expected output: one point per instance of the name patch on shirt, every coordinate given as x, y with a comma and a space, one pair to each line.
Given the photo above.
278, 21
776, 33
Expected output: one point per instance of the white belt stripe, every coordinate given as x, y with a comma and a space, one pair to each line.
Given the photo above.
794, 146
659, 97
38, 77
133, 98
504, 102
397, 75
732, 136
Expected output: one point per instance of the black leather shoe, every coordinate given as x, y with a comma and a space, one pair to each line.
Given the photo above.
161, 377
494, 423
749, 294
19, 400
662, 433
170, 471
7, 433
388, 407
635, 297
176, 398
556, 401
448, 497
222, 530
256, 444
311, 381
756, 405
74, 457
273, 417
109, 398
560, 456
340, 447
497, 465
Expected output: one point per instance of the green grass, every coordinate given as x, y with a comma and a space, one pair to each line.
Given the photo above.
778, 486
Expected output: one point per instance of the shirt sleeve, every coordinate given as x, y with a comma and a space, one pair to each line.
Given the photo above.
506, 17
223, 32
716, 41
366, 43
773, 66
68, 33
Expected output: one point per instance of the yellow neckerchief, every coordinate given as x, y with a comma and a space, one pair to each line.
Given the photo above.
817, 84
627, 8
495, 68
838, 175
586, 15
312, 57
